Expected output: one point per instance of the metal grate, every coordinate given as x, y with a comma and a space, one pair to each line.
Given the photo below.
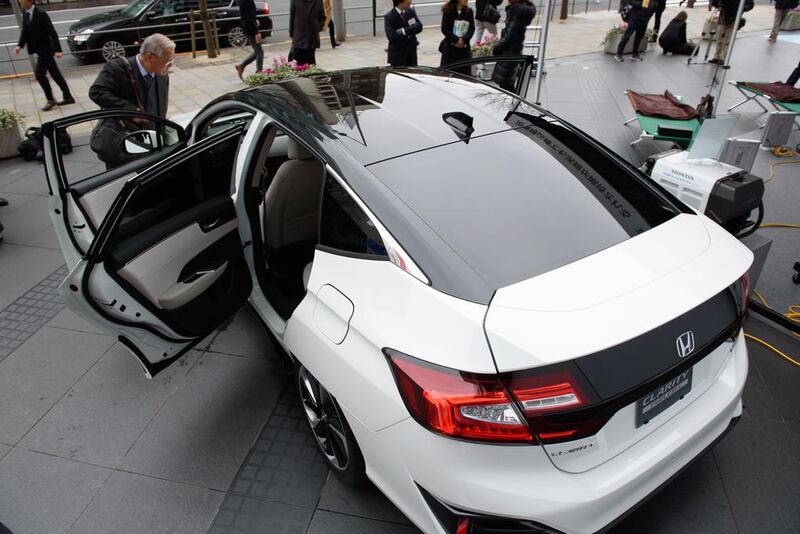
30, 312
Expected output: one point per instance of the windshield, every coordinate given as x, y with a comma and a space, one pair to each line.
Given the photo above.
135, 7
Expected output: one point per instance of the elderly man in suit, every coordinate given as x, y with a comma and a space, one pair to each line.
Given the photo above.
41, 39
140, 83
402, 26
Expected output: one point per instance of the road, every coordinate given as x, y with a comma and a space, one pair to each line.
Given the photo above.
358, 15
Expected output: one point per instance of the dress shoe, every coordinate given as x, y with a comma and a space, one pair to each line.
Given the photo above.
3, 202
239, 71
50, 105
67, 101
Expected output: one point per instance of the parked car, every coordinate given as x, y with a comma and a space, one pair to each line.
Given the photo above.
119, 32
500, 322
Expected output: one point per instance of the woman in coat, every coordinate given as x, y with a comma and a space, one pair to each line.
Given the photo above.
673, 40
458, 25
327, 7
519, 14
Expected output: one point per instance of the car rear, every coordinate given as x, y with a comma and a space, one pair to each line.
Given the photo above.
615, 325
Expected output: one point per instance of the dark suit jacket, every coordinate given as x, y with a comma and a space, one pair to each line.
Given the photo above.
402, 37
305, 22
112, 89
39, 35
247, 13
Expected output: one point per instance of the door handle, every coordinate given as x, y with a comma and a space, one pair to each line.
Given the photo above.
208, 225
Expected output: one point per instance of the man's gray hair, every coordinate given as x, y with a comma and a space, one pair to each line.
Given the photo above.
156, 44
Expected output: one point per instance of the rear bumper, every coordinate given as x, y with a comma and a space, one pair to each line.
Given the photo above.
521, 482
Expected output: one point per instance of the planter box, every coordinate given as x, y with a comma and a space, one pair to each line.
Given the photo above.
483, 72
791, 22
9, 140
611, 46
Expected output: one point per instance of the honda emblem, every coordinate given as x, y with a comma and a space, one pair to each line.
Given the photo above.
685, 344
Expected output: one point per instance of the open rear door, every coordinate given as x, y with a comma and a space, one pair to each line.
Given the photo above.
512, 73
166, 267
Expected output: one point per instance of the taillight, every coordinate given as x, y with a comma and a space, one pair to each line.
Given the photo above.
543, 405
556, 402
457, 404
266, 8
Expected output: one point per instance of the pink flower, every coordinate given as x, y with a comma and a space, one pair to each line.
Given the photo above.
293, 63
301, 68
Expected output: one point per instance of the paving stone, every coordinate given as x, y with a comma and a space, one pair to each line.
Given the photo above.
247, 515
22, 268
244, 335
777, 372
134, 503
4, 449
206, 428
285, 464
40, 372
366, 501
41, 493
759, 465
69, 320
102, 415
331, 523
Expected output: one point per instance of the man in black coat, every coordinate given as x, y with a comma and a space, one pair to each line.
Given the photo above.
249, 20
140, 83
519, 14
41, 39
402, 25
639, 13
305, 22
782, 9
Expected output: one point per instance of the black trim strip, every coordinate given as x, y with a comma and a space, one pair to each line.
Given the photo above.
775, 317
349, 254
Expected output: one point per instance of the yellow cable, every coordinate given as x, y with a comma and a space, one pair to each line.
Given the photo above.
760, 297
779, 225
777, 351
773, 165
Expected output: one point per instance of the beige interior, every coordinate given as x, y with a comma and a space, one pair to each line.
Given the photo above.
155, 272
291, 206
97, 202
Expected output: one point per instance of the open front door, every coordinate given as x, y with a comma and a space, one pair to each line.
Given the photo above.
82, 185
166, 267
512, 73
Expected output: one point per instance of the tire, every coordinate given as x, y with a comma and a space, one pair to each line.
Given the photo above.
236, 37
327, 424
111, 48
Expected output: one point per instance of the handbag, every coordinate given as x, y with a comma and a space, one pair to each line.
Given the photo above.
108, 135
31, 147
490, 13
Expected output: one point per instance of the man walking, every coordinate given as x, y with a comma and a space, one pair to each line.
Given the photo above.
39, 35
639, 14
305, 23
247, 12
402, 25
140, 83
782, 8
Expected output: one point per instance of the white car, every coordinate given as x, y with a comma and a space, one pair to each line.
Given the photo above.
497, 320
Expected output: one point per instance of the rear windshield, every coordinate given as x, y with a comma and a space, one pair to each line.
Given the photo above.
519, 203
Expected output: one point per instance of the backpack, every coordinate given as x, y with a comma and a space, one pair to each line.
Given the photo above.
31, 147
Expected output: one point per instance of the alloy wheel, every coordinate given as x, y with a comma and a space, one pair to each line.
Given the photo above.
236, 37
112, 49
325, 420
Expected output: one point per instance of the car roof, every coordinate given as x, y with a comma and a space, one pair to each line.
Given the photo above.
455, 168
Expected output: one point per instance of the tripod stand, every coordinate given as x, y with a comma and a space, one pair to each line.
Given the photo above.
712, 39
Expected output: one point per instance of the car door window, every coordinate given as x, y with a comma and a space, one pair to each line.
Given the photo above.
344, 226
163, 8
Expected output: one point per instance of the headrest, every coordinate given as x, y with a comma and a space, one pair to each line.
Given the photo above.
297, 151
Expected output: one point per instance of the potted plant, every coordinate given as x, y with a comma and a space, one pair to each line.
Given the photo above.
484, 48
281, 69
711, 25
10, 138
792, 20
614, 36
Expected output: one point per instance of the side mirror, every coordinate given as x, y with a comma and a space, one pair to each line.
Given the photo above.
140, 142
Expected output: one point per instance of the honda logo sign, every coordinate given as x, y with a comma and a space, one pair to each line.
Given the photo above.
685, 344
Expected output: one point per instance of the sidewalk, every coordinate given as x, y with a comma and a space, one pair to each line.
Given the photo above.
195, 82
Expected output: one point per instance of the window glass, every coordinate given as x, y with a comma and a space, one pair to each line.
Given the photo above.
204, 177
345, 226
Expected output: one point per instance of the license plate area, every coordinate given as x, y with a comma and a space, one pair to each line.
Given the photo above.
662, 397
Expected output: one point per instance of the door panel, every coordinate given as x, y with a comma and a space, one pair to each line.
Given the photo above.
167, 266
512, 73
82, 187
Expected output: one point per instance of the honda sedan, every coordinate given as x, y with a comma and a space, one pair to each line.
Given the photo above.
494, 318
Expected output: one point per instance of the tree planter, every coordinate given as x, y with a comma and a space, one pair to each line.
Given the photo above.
9, 140
792, 21
709, 27
612, 44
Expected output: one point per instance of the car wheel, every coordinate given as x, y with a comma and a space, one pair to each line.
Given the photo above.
111, 49
236, 37
330, 429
